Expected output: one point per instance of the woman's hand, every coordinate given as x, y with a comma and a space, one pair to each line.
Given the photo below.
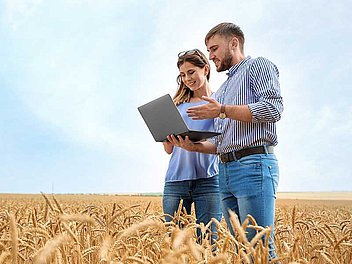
168, 147
178, 141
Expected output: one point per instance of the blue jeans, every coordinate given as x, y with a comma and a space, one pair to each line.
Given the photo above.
248, 186
204, 193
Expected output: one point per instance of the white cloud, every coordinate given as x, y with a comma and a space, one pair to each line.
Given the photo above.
313, 148
68, 82
17, 11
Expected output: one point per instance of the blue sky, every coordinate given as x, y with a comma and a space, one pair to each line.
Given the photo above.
74, 72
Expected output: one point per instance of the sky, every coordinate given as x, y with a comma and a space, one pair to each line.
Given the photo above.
73, 73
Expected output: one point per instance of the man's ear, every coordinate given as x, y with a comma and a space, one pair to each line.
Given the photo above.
234, 42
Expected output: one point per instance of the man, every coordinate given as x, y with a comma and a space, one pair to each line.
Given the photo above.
247, 106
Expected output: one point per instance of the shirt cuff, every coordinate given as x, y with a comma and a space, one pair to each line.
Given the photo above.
258, 113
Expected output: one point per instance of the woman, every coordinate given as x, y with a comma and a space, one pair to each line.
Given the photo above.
192, 176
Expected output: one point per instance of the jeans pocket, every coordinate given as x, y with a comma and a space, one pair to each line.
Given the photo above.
274, 175
245, 179
252, 161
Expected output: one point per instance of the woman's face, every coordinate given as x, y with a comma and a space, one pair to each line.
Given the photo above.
193, 77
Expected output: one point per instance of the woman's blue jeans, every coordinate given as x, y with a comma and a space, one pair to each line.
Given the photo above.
248, 186
204, 193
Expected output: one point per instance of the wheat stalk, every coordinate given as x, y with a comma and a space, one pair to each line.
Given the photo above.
4, 255
45, 253
14, 238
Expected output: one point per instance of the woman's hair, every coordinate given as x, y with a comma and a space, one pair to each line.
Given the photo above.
198, 59
227, 30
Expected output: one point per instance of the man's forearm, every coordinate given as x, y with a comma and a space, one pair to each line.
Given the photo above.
205, 147
238, 112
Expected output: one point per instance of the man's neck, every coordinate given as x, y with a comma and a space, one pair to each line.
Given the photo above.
237, 59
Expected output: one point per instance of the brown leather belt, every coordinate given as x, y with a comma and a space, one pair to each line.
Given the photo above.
238, 154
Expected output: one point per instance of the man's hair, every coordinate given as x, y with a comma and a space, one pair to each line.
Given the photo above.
227, 30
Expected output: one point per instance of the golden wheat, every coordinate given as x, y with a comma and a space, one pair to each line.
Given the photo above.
112, 229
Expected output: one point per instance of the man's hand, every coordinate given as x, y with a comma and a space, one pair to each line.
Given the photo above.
205, 111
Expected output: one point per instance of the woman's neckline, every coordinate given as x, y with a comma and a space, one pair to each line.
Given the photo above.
199, 99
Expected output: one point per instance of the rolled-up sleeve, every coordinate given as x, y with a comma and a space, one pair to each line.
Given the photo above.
264, 78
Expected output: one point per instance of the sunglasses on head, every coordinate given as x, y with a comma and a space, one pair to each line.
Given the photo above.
192, 52
189, 52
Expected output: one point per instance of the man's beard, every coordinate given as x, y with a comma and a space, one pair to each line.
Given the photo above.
226, 62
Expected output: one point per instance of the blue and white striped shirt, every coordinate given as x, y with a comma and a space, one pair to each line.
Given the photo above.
252, 82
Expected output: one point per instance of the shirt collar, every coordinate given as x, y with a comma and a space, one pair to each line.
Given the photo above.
235, 67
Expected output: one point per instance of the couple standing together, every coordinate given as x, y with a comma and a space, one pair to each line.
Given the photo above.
243, 174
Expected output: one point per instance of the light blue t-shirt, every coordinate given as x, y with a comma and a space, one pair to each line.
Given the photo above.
186, 165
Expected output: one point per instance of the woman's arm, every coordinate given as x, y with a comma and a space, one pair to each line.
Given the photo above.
168, 147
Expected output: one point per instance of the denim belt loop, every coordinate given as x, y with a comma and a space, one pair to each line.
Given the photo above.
266, 150
232, 156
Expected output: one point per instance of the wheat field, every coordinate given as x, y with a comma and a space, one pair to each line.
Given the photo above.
47, 228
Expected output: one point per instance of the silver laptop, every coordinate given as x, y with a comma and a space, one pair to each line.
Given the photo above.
163, 118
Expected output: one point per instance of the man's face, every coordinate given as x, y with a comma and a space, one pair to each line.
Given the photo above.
219, 52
